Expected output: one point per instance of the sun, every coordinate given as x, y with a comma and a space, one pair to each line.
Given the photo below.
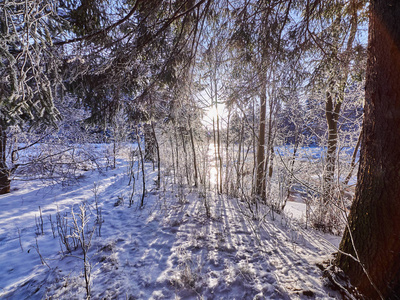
212, 113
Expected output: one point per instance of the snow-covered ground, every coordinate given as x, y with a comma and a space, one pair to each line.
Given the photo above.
169, 249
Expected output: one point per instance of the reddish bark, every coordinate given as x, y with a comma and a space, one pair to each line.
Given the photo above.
374, 220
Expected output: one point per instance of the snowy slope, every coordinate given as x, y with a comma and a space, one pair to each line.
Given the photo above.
167, 250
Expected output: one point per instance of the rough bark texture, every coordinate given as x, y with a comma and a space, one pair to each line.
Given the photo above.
4, 180
374, 220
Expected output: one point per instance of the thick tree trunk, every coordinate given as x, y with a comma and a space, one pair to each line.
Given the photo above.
4, 172
373, 234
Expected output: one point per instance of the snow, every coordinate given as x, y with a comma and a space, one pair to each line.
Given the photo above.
169, 249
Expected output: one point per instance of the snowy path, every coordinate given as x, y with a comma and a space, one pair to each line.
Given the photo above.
168, 250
